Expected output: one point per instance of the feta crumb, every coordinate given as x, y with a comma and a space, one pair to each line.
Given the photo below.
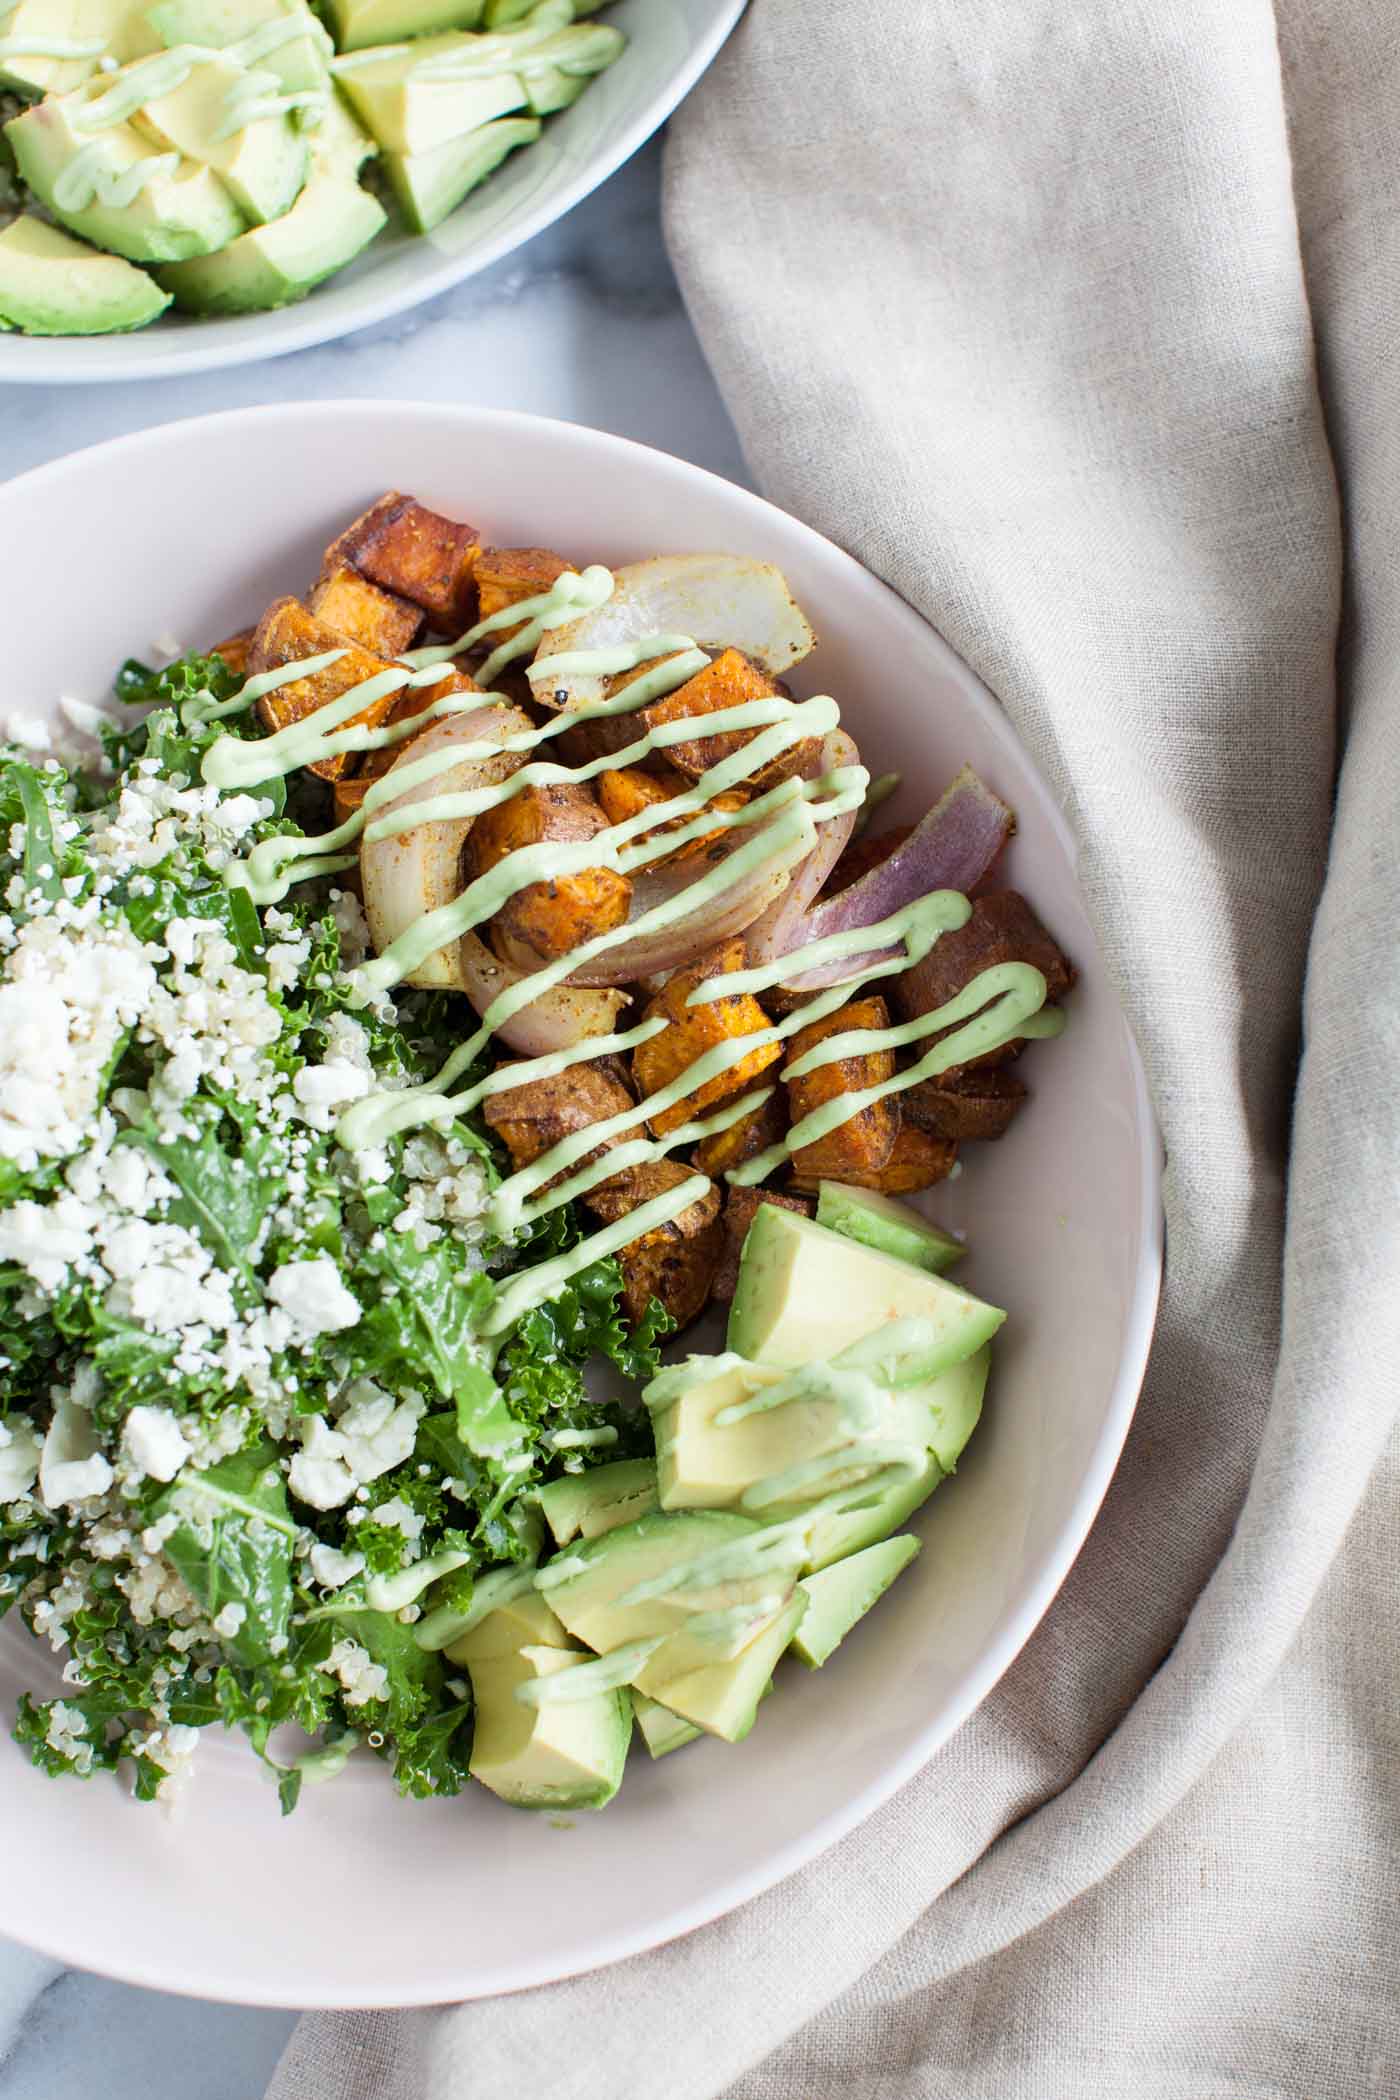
19, 1458
314, 1296
154, 1442
361, 1678
333, 1569
229, 1620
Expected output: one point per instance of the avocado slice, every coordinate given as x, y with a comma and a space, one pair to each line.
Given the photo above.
51, 284
661, 1730
94, 29
723, 1697
805, 1293
430, 185
522, 1620
331, 221
262, 164
356, 24
804, 1447
504, 14
408, 110
562, 1753
173, 209
588, 1504
556, 71
838, 1596
888, 1225
339, 143
282, 37
709, 1581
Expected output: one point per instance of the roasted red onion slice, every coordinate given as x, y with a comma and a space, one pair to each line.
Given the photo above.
780, 926
554, 1021
951, 849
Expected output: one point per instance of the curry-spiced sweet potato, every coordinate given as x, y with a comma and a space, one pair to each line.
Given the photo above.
675, 1262
355, 607
728, 681
696, 1029
625, 791
415, 553
859, 1148
917, 1161
506, 575
529, 1119
234, 651
286, 633
555, 916
763, 1126
976, 1104
1002, 928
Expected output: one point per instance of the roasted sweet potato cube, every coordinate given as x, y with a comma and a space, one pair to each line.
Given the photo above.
286, 633
695, 1029
234, 651
859, 1148
530, 1119
416, 554
752, 1134
506, 575
979, 1104
413, 701
739, 1208
1002, 928
627, 790
727, 682
347, 794
862, 855
675, 1262
917, 1161
550, 917
355, 607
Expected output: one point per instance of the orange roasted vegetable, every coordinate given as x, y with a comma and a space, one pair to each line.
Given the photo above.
505, 575
234, 651
752, 1134
858, 1149
286, 633
530, 1119
415, 553
696, 1029
355, 607
550, 917
728, 681
675, 1262
626, 790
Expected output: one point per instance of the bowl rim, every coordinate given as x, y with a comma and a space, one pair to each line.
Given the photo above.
741, 1887
306, 324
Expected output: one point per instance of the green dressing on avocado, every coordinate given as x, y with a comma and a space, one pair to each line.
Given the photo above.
586, 1679
90, 177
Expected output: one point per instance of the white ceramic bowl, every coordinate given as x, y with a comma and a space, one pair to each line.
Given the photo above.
669, 45
360, 1898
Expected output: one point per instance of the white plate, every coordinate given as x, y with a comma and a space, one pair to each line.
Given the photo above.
669, 45
360, 1898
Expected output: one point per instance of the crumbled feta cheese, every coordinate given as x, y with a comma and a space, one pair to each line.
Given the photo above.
314, 1295
227, 1622
397, 1513
19, 1458
333, 1569
154, 1442
67, 1732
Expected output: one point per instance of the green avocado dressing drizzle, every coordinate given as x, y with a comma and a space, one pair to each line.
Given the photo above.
146, 81
585, 1680
90, 177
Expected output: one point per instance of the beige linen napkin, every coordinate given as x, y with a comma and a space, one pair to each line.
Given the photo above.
1035, 306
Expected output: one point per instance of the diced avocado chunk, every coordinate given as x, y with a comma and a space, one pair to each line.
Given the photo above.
584, 1505
174, 208
838, 1596
556, 72
408, 110
331, 221
550, 1754
519, 1620
504, 14
805, 1293
430, 185
661, 1730
261, 163
51, 284
827, 1434
339, 144
97, 28
723, 1697
359, 23
952, 1404
282, 37
702, 1582
887, 1224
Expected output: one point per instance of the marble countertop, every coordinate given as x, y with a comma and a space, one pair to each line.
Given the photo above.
585, 323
